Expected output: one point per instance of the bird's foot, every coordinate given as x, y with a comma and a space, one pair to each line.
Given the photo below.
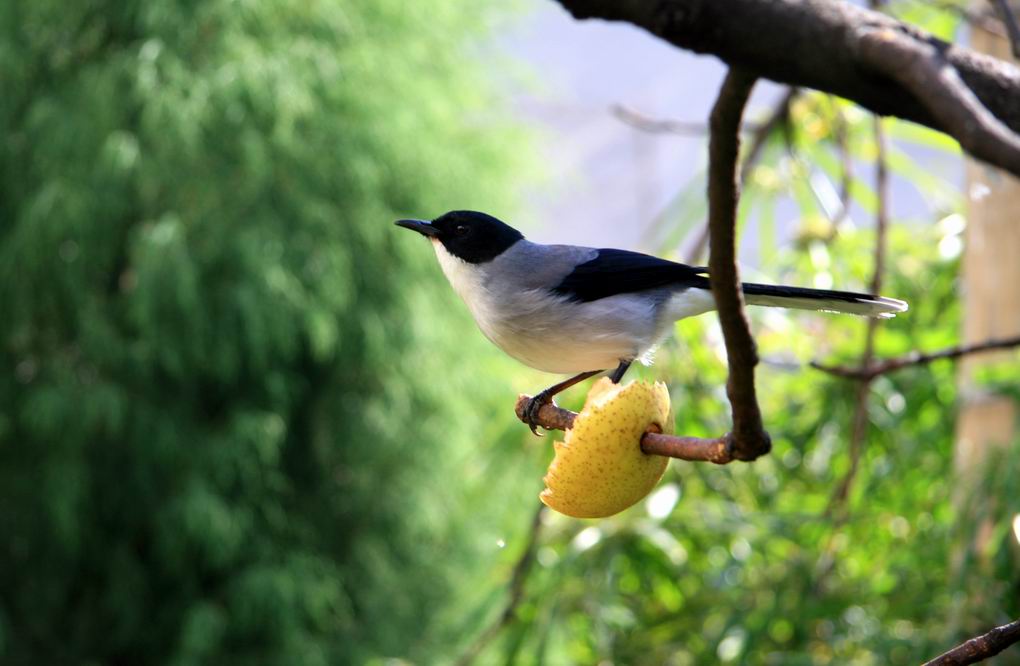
531, 410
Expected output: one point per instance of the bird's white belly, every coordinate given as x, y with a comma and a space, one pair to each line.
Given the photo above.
554, 335
566, 337
566, 352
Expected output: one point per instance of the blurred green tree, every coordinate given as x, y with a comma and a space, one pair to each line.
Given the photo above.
228, 412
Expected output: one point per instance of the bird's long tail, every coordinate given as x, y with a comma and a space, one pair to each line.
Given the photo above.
801, 298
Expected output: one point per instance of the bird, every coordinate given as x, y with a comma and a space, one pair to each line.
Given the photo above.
569, 309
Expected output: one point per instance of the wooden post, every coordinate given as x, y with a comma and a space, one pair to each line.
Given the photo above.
991, 291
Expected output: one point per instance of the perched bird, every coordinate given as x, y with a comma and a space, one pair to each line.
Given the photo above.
571, 309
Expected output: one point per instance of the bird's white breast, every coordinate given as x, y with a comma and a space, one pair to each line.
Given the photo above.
468, 280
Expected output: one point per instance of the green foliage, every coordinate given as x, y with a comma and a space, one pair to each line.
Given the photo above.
743, 563
228, 415
243, 421
759, 563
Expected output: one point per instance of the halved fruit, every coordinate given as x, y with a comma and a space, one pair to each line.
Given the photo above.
599, 468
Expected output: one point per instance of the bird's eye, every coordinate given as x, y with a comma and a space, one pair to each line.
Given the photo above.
461, 230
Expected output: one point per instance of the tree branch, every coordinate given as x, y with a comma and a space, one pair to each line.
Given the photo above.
781, 39
1008, 17
748, 438
693, 449
846, 162
923, 70
778, 117
646, 123
859, 424
916, 358
980, 648
985, 21
517, 580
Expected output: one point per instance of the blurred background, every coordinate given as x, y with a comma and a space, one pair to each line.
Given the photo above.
243, 419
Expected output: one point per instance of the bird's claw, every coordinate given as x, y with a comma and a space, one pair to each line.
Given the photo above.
531, 410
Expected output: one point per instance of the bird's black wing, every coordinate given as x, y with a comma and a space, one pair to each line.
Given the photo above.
614, 272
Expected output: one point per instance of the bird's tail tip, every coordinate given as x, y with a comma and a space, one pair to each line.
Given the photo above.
826, 300
887, 308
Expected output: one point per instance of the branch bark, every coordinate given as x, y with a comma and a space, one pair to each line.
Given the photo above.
694, 449
980, 648
748, 439
859, 424
923, 69
777, 118
916, 358
1009, 20
645, 123
518, 578
783, 40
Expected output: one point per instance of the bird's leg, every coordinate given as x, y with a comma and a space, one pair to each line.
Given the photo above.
619, 372
546, 396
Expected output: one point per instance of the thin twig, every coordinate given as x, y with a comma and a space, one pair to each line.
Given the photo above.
700, 243
859, 422
882, 213
846, 166
986, 22
517, 580
748, 438
859, 427
778, 117
646, 123
923, 69
981, 647
916, 358
1008, 17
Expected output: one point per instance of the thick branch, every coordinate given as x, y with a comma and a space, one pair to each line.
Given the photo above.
748, 438
820, 44
980, 648
915, 358
923, 70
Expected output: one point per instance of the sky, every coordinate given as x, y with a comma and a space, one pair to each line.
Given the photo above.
606, 182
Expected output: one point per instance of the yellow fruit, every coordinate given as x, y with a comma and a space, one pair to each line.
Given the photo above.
599, 468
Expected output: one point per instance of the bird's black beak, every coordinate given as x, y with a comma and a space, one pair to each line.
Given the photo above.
421, 226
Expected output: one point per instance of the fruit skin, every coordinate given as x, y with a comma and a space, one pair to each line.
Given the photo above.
599, 469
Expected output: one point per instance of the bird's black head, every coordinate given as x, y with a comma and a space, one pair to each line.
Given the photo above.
468, 235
